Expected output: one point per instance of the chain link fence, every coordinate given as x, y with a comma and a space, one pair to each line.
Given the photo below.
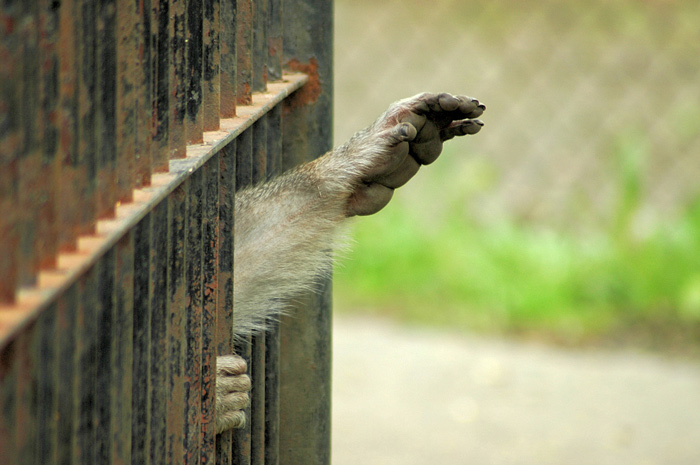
589, 103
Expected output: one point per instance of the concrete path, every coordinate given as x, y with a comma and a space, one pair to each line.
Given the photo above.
409, 396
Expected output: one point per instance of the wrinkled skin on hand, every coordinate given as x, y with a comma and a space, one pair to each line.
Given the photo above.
411, 133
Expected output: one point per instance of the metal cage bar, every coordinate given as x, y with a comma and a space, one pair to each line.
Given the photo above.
126, 127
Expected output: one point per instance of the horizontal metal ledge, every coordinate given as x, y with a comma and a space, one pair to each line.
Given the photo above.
70, 266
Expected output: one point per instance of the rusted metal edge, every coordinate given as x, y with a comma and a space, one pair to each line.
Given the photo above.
70, 266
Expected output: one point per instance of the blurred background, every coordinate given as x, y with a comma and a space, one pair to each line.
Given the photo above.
533, 296
574, 216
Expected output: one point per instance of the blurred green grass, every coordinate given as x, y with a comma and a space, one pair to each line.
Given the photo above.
425, 260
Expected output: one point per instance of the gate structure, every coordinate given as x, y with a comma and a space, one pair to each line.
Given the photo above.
126, 126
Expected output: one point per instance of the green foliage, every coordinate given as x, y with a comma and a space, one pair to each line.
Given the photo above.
437, 266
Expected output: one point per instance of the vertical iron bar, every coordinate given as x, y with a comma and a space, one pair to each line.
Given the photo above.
9, 147
126, 103
29, 155
257, 370
86, 339
123, 350
224, 325
272, 338
176, 327
274, 40
71, 174
86, 163
141, 408
48, 134
8, 403
193, 323
46, 375
244, 174
144, 95
244, 52
210, 268
194, 124
104, 101
158, 327
260, 45
227, 80
211, 59
161, 83
105, 313
306, 338
66, 320
178, 79
25, 411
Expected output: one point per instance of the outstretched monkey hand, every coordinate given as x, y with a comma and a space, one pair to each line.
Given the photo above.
409, 134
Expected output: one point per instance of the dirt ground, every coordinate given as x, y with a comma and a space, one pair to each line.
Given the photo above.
412, 396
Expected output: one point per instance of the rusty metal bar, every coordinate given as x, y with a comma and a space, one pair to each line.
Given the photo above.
194, 296
306, 338
272, 338
194, 121
66, 409
141, 409
211, 60
125, 101
86, 179
9, 150
46, 379
161, 58
158, 331
274, 40
178, 79
104, 104
244, 177
257, 362
224, 325
210, 270
29, 154
260, 45
123, 350
47, 134
244, 52
68, 206
104, 380
86, 370
177, 338
143, 90
229, 57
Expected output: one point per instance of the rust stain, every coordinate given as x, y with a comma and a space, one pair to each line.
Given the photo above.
310, 92
246, 98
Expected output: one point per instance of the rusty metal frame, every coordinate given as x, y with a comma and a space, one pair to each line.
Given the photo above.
125, 128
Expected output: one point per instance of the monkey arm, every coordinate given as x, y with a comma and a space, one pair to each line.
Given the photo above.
287, 228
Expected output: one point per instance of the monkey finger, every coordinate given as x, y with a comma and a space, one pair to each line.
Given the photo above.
402, 132
461, 128
401, 175
426, 147
368, 199
469, 108
237, 383
231, 365
234, 401
230, 420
